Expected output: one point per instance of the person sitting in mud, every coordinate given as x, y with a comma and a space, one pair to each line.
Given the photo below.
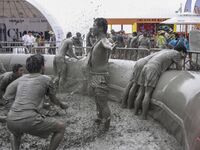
8, 77
151, 73
60, 62
98, 67
29, 92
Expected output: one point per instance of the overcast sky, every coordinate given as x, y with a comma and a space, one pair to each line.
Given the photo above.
77, 15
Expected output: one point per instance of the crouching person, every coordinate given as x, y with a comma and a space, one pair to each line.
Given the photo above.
29, 92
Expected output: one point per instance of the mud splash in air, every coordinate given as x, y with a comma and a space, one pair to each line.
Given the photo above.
127, 131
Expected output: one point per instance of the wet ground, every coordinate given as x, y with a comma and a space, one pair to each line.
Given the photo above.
127, 131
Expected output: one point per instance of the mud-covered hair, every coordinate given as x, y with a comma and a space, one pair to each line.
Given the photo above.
16, 67
102, 22
69, 34
34, 63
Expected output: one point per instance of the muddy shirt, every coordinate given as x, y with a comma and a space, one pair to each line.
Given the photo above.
29, 92
140, 64
165, 59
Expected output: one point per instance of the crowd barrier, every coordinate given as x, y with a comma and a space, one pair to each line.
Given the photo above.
191, 62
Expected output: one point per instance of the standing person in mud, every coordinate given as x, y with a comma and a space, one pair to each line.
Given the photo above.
98, 67
151, 73
60, 62
29, 92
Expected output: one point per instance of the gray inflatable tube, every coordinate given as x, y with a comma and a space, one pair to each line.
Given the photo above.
175, 100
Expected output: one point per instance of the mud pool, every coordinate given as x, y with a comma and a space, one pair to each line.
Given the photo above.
127, 131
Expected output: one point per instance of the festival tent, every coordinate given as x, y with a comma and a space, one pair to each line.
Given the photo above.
184, 19
17, 16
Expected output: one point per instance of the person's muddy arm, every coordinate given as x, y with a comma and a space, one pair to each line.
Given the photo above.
108, 45
51, 92
10, 92
71, 53
178, 61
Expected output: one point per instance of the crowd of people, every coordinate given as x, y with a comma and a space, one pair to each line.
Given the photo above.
26, 92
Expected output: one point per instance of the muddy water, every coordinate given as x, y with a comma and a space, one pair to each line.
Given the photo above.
127, 132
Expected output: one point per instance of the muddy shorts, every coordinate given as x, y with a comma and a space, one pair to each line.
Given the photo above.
149, 76
136, 71
99, 83
37, 126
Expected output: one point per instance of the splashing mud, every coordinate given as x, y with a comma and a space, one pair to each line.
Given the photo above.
127, 131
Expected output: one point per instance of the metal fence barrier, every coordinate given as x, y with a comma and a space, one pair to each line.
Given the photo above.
191, 62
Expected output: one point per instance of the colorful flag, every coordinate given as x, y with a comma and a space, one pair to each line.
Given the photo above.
188, 5
197, 7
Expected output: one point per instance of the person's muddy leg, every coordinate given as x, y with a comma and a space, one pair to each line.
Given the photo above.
15, 141
126, 94
139, 99
146, 101
57, 136
104, 111
62, 77
131, 96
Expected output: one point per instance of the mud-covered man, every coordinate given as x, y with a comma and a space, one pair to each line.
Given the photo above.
8, 77
29, 92
60, 62
98, 66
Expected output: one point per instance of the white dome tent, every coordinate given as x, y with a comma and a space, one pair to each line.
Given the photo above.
17, 16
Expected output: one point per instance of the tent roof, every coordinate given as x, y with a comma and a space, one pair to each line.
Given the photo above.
184, 19
18, 9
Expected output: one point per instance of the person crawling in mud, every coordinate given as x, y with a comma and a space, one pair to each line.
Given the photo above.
151, 73
98, 68
60, 62
8, 77
29, 92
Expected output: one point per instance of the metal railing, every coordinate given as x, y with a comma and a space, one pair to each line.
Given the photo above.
191, 62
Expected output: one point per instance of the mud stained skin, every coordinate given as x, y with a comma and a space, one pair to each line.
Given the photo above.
127, 131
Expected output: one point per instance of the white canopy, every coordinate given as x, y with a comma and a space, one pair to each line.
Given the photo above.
184, 19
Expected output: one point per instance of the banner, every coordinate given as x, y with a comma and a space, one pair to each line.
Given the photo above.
11, 29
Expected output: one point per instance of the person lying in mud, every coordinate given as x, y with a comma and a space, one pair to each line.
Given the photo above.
60, 62
151, 73
29, 92
98, 68
8, 77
